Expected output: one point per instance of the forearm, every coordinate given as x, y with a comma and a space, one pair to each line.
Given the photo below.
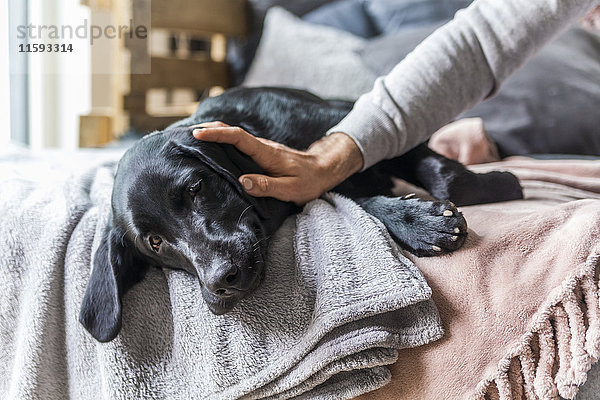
459, 65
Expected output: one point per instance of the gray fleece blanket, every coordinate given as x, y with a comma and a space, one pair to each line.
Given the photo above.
338, 301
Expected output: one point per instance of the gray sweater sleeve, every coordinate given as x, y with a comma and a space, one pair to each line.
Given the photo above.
456, 67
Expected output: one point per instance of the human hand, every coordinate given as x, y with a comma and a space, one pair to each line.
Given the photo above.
293, 175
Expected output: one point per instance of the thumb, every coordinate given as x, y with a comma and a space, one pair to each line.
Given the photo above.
258, 185
266, 186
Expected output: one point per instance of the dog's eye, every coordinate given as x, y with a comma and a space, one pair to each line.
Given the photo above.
195, 188
155, 242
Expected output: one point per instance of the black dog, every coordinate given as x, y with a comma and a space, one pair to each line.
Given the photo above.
177, 202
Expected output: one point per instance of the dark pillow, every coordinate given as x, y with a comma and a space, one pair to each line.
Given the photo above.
549, 106
391, 16
345, 15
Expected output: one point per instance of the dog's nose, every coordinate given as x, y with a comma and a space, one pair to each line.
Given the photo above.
222, 278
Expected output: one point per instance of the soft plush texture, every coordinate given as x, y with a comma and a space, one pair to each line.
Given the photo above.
521, 266
346, 15
524, 286
299, 54
338, 300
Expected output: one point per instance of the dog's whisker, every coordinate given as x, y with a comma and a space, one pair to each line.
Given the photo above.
260, 240
246, 209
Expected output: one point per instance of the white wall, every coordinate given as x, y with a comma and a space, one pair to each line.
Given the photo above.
4, 75
59, 83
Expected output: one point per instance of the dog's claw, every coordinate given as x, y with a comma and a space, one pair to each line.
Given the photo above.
409, 196
424, 228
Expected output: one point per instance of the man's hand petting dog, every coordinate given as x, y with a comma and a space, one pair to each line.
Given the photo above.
179, 202
297, 176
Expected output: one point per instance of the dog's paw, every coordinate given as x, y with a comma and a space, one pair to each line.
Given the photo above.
437, 227
424, 228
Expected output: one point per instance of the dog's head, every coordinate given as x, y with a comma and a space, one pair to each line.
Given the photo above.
177, 203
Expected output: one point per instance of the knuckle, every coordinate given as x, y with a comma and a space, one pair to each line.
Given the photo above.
291, 165
263, 184
296, 167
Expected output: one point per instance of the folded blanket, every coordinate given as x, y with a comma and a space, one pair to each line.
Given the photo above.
337, 302
520, 301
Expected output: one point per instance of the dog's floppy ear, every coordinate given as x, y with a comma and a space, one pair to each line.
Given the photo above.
229, 163
115, 270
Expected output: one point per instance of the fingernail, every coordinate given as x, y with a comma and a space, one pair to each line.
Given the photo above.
247, 184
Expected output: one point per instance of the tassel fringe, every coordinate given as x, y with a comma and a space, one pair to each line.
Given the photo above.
554, 357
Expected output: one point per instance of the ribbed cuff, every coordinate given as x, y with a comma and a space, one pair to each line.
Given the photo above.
373, 131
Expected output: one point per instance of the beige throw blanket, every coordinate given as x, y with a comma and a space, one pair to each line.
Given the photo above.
519, 303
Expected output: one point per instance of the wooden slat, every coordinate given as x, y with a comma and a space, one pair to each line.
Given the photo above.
135, 102
95, 130
181, 73
211, 16
149, 123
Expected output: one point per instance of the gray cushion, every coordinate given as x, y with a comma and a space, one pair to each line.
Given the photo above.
317, 58
383, 53
240, 51
345, 15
